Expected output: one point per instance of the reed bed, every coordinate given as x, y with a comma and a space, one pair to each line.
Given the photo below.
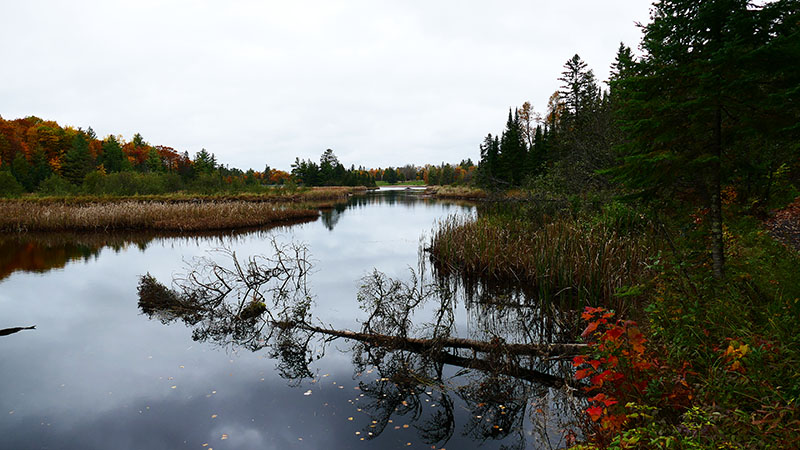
564, 257
276, 195
145, 215
458, 192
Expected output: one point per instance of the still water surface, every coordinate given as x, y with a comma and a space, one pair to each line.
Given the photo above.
96, 373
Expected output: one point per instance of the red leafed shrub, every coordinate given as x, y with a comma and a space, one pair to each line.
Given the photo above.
620, 370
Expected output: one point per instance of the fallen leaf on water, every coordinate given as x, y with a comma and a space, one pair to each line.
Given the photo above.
173, 387
224, 436
349, 418
213, 416
308, 392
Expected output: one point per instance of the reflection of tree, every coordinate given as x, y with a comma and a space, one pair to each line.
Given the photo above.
265, 303
331, 216
42, 252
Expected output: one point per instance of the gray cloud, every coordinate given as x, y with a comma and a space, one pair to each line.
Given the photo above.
382, 83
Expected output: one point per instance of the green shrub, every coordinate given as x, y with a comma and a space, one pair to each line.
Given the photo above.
9, 186
55, 185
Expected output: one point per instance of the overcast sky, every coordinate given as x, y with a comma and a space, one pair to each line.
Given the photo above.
262, 82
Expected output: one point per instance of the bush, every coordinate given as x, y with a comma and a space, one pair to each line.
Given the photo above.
55, 186
132, 183
9, 186
94, 183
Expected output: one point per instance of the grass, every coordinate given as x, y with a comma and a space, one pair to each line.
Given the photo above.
276, 195
458, 192
564, 256
145, 215
738, 337
178, 212
734, 343
402, 183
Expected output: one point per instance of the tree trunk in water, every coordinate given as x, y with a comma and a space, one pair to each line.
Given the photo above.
416, 344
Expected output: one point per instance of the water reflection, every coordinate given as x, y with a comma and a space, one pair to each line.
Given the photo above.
409, 370
43, 252
392, 197
98, 373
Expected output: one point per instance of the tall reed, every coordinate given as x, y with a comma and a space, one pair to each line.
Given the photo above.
563, 257
149, 215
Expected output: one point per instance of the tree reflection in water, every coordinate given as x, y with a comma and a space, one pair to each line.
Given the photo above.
512, 363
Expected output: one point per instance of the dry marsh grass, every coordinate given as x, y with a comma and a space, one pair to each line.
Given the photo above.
458, 192
145, 215
565, 256
276, 195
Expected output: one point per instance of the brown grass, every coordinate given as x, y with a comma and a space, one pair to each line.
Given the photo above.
575, 259
145, 215
277, 195
457, 192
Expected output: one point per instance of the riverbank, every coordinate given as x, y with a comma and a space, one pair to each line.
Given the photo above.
710, 363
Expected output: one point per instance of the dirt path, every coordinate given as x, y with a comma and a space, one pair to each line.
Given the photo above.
785, 225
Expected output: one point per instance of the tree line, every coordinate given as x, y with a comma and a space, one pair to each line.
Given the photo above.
38, 155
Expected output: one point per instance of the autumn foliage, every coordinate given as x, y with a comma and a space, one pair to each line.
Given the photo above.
621, 371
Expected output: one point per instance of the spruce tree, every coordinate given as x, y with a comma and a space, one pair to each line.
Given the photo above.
113, 156
78, 161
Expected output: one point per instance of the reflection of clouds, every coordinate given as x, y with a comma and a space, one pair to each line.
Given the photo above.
251, 414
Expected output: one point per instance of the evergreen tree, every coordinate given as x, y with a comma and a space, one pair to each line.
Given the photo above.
113, 156
78, 161
41, 169
204, 162
512, 151
490, 160
154, 163
22, 171
579, 91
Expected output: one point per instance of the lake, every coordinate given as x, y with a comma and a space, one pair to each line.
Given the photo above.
98, 373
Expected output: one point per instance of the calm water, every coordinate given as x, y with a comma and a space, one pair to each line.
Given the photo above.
97, 373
